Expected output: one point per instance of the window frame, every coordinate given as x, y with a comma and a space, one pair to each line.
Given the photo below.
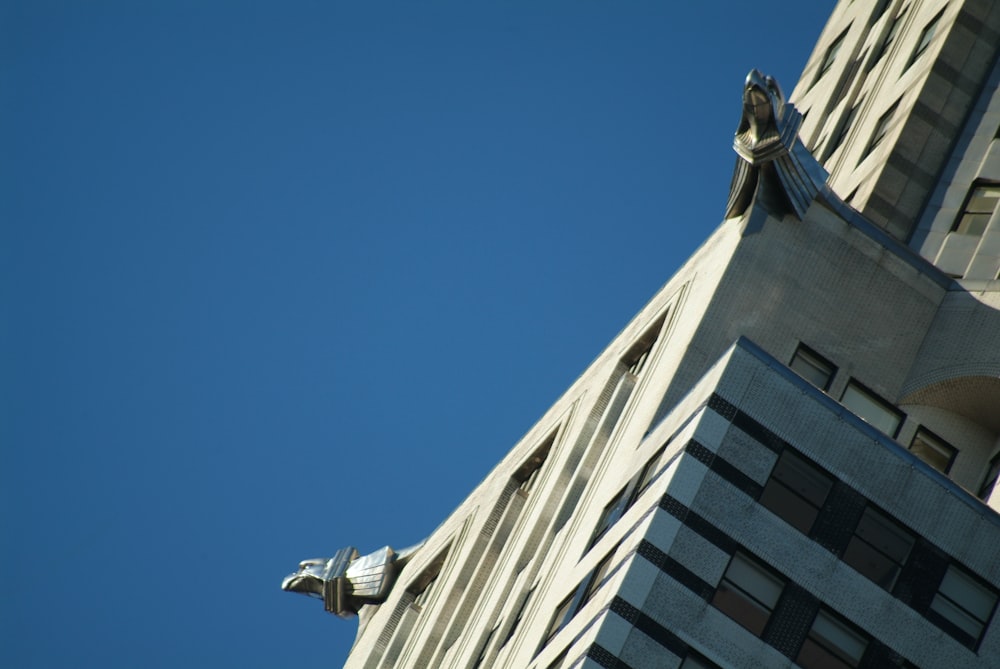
811, 357
937, 610
881, 129
730, 591
876, 400
890, 36
828, 646
830, 55
978, 184
933, 440
924, 41
865, 544
990, 480
778, 488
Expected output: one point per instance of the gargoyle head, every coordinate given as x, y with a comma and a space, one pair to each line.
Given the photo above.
763, 105
772, 162
348, 581
309, 579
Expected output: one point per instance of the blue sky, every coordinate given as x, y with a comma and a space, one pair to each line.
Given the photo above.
278, 278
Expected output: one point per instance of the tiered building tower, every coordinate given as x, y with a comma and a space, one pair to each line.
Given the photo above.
789, 457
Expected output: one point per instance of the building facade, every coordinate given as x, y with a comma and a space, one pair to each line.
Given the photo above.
789, 457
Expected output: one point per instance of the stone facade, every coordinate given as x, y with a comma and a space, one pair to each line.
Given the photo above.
787, 457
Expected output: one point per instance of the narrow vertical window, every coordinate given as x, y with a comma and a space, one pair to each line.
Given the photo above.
609, 515
518, 616
926, 35
845, 127
881, 129
890, 36
831, 55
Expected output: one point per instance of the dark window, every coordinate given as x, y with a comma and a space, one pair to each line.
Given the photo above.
485, 648
813, 367
875, 410
832, 644
646, 475
992, 474
881, 129
831, 55
611, 513
594, 581
979, 207
796, 491
580, 596
890, 37
560, 658
638, 354
925, 38
963, 606
528, 472
748, 593
696, 661
845, 127
518, 616
879, 548
560, 618
933, 450
625, 498
880, 9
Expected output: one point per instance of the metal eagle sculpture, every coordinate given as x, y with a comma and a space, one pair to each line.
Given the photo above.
772, 162
348, 581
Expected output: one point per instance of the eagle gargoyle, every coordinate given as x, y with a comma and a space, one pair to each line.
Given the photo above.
348, 581
771, 159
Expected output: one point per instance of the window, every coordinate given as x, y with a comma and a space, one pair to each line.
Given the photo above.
979, 207
646, 475
570, 606
518, 616
696, 661
611, 513
890, 37
813, 367
992, 474
872, 408
881, 129
561, 617
933, 450
748, 593
925, 38
832, 644
626, 497
422, 586
879, 548
796, 491
845, 127
485, 648
879, 10
963, 606
596, 578
638, 354
831, 55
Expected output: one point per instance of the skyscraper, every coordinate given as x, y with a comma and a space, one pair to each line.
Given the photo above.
788, 457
